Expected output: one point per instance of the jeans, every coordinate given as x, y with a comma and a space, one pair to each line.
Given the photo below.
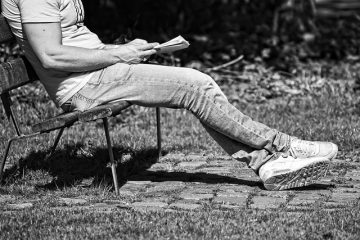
174, 87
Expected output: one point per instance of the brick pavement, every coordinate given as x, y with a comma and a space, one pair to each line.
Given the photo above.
195, 182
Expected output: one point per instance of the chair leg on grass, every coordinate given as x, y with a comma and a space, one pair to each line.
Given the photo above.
7, 149
158, 126
57, 140
2, 165
111, 155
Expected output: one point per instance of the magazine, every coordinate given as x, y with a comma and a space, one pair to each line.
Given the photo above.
173, 45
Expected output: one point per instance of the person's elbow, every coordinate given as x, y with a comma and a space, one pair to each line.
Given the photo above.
50, 60
49, 64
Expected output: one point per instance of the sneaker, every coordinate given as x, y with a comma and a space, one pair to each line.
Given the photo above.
306, 149
290, 172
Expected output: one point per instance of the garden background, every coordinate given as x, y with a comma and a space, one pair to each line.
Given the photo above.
293, 65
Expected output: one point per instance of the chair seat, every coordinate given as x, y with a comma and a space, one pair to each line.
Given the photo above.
68, 119
62, 120
103, 111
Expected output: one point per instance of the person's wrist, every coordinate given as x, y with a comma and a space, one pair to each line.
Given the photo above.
114, 55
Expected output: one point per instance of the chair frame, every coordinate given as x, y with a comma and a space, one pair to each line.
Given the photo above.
17, 73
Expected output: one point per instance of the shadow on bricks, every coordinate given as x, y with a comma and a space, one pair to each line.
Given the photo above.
209, 178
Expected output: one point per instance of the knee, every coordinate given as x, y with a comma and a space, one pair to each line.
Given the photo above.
205, 84
197, 78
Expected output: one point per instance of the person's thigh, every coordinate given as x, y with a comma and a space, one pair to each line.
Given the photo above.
145, 85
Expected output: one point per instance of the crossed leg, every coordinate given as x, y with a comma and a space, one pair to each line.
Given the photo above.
173, 87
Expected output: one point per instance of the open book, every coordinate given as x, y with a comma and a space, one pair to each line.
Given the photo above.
174, 44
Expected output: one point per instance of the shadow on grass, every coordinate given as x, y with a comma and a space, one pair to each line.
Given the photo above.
72, 164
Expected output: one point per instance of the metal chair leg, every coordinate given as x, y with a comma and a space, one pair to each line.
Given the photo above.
2, 165
111, 155
57, 140
158, 125
7, 149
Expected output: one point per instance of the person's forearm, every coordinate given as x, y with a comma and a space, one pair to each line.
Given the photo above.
76, 59
110, 46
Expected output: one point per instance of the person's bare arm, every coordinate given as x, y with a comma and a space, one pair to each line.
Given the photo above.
46, 41
134, 42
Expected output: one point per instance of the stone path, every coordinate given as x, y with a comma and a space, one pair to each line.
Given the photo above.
195, 182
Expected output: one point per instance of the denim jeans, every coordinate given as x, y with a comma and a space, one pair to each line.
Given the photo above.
162, 86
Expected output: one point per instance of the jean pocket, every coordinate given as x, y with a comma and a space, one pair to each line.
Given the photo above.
68, 106
81, 103
96, 78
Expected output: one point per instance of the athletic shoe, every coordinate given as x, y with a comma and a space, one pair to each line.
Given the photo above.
307, 149
290, 172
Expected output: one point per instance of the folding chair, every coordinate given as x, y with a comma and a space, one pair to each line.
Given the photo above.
18, 72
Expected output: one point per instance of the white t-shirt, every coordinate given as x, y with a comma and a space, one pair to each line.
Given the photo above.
61, 86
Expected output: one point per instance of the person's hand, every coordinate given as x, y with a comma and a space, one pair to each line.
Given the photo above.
135, 51
136, 42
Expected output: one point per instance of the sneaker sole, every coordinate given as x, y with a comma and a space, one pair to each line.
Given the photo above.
334, 152
299, 178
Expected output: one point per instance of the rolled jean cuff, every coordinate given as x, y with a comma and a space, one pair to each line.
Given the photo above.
281, 142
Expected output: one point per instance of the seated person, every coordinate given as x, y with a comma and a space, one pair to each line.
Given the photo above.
80, 72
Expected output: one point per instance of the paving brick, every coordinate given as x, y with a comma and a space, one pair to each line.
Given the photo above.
245, 172
162, 167
102, 207
191, 165
200, 189
72, 201
261, 202
185, 206
235, 188
133, 187
128, 193
340, 197
173, 156
138, 183
221, 163
231, 200
354, 175
346, 190
298, 208
195, 158
149, 205
215, 170
231, 194
166, 187
306, 198
195, 196
276, 194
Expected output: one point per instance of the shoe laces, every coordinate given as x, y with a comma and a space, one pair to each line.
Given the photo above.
300, 147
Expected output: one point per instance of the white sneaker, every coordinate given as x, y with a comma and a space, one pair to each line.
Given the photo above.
306, 149
289, 172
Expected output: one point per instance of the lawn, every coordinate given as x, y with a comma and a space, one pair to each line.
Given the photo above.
315, 108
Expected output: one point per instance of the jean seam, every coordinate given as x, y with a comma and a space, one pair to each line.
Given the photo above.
193, 89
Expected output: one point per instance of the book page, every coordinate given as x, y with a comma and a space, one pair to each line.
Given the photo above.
173, 45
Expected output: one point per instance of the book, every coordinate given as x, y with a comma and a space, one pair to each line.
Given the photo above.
173, 45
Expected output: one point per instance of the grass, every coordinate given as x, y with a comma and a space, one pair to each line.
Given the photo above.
126, 224
330, 113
